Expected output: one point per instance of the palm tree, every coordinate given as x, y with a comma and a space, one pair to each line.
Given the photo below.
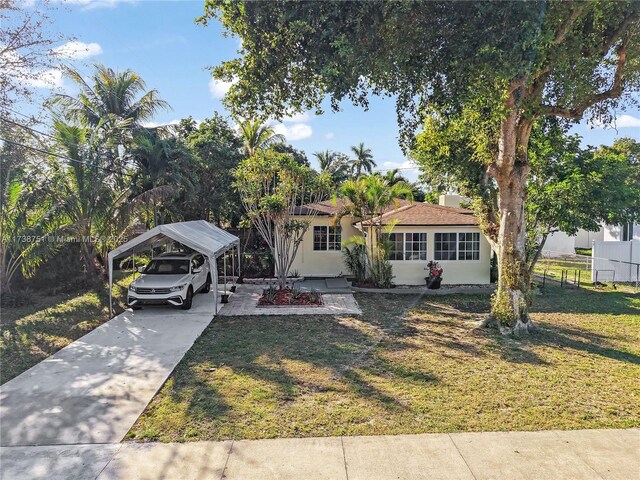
29, 204
393, 176
94, 207
109, 98
110, 102
258, 136
335, 164
363, 160
370, 196
157, 175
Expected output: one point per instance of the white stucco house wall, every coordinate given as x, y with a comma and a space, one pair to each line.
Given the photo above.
421, 232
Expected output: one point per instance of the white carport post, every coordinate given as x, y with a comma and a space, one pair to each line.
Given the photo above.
224, 263
215, 285
110, 259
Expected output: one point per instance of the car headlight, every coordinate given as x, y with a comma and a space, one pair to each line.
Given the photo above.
177, 288
132, 287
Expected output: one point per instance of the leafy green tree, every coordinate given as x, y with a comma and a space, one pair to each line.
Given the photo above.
257, 135
369, 196
217, 151
95, 209
298, 155
362, 161
273, 188
571, 188
500, 64
164, 170
335, 164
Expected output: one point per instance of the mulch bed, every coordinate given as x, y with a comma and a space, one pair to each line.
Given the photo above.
283, 298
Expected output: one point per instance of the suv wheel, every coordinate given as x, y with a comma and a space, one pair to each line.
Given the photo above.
207, 285
186, 305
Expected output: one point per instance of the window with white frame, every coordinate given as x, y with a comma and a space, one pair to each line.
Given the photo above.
415, 246
469, 246
457, 246
444, 247
408, 246
327, 237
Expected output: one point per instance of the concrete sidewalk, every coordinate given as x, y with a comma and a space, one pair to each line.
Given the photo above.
93, 390
548, 455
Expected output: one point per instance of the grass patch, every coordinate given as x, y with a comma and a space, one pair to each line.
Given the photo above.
401, 368
35, 331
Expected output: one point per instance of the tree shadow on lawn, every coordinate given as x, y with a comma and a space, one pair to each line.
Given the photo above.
448, 322
284, 357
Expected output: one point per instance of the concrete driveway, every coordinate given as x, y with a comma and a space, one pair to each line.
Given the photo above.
93, 390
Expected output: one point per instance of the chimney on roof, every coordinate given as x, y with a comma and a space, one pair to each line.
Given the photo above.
449, 200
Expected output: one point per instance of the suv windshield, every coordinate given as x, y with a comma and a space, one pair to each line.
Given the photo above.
167, 266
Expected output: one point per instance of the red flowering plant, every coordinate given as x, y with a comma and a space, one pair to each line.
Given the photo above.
435, 274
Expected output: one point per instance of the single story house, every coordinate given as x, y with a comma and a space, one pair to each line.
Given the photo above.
420, 232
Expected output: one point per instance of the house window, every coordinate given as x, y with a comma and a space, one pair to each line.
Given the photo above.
415, 246
457, 246
397, 246
445, 246
468, 246
327, 238
407, 246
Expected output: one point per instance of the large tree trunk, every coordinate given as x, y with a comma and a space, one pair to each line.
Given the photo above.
510, 304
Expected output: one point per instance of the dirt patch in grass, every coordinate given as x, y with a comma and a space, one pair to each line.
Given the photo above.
401, 368
33, 332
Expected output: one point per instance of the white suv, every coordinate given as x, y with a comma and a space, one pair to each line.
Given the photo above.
171, 278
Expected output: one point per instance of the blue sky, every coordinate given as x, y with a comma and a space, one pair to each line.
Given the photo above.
160, 41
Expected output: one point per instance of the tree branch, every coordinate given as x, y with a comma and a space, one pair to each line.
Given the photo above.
576, 112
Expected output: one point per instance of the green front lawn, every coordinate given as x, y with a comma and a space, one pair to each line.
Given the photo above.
401, 368
50, 322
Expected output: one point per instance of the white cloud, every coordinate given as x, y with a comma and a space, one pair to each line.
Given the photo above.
623, 121
296, 131
161, 124
297, 117
407, 164
329, 136
78, 50
219, 88
626, 121
51, 78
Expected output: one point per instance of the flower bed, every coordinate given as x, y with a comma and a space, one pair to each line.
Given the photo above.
272, 297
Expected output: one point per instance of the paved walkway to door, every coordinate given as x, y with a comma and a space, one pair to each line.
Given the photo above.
93, 390
245, 302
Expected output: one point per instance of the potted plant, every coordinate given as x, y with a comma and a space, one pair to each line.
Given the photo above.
434, 279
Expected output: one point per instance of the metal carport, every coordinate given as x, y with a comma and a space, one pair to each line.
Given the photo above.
199, 235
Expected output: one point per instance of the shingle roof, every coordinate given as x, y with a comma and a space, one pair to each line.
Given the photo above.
406, 213
418, 214
331, 207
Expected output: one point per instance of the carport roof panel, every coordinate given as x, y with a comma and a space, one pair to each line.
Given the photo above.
199, 235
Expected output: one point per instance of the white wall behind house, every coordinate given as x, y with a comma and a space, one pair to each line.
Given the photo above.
613, 233
585, 239
559, 243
